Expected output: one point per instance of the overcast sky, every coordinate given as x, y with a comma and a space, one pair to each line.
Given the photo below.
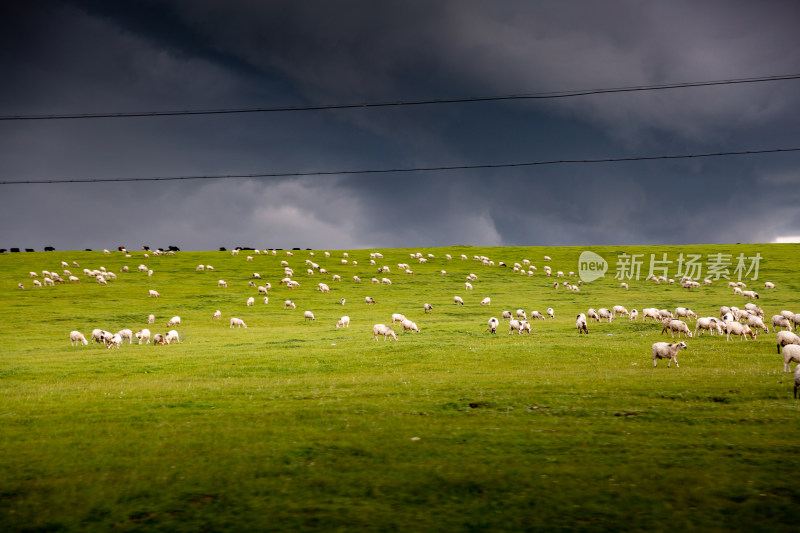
88, 56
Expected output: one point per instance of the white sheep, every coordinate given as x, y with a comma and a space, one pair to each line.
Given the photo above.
222, 283
685, 312
651, 312
741, 330
521, 314
409, 325
386, 281
76, 338
200, 267
343, 322
665, 350
516, 325
674, 325
634, 314
708, 323
791, 354
468, 286
592, 315
382, 329
370, 300
550, 312
619, 310
210, 268
151, 319
126, 334
322, 287
158, 339
428, 308
769, 285
99, 336
624, 286
172, 336
153, 294
251, 301
755, 323
779, 321
750, 294
604, 313
457, 300
785, 338
536, 315
580, 324
143, 335
397, 317
238, 322
493, 323
288, 304
174, 321
486, 301
308, 315
113, 341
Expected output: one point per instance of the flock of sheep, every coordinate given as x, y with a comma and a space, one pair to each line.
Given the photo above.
743, 323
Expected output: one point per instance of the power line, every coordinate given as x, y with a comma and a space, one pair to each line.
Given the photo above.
404, 170
367, 105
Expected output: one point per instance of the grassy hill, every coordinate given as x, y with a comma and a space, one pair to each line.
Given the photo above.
296, 425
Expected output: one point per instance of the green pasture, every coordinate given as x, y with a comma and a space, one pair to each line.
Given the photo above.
291, 425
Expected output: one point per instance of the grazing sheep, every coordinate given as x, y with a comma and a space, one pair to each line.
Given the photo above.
619, 310
210, 268
263, 290
153, 294
308, 315
238, 322
200, 267
100, 280
665, 350
126, 334
547, 258
550, 312
536, 315
159, 339
356, 279
174, 321
673, 325
151, 319
251, 301
370, 300
428, 308
736, 328
779, 321
634, 314
375, 281
251, 284
796, 381
21, 286
143, 335
493, 323
486, 301
113, 341
288, 304
624, 286
386, 281
791, 354
750, 294
172, 336
592, 314
769, 285
468, 286
36, 283
521, 314
788, 314
651, 312
708, 323
685, 312
516, 325
397, 317
785, 338
382, 329
605, 313
343, 322
222, 283
457, 300
99, 336
755, 309
322, 287
76, 338
756, 324
580, 324
409, 325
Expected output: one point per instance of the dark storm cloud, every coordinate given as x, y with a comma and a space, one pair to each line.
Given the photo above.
88, 56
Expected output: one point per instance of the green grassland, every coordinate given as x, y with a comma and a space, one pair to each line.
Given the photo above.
292, 425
